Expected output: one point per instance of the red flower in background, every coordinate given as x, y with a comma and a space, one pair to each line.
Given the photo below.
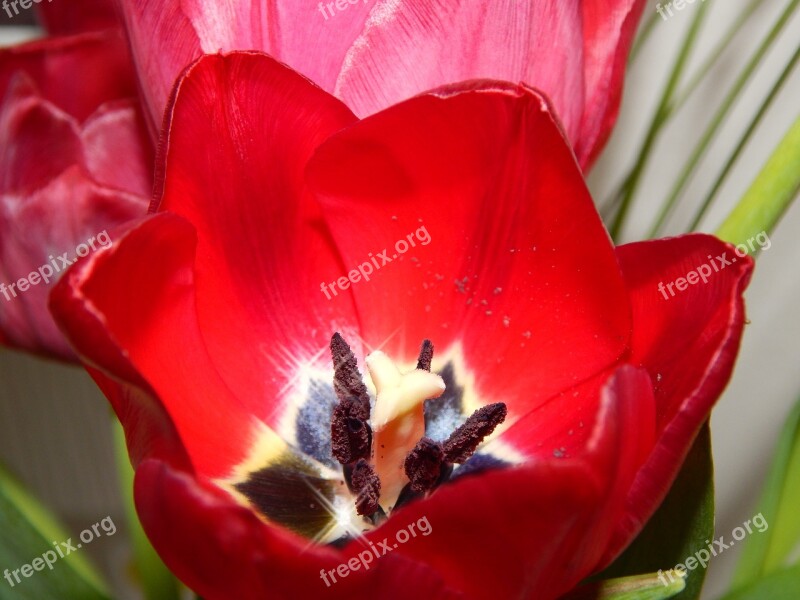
371, 55
376, 53
207, 326
75, 161
63, 18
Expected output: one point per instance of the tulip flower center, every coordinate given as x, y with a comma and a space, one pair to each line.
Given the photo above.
387, 453
344, 461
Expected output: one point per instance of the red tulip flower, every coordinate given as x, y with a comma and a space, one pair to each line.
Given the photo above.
374, 53
75, 162
511, 459
370, 54
62, 18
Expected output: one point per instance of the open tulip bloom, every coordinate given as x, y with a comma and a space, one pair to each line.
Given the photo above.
81, 90
392, 357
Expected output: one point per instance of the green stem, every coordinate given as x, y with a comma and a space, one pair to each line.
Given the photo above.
770, 194
765, 554
644, 34
658, 121
713, 57
705, 140
613, 200
156, 580
745, 139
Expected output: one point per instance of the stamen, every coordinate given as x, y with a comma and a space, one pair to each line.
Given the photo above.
423, 465
398, 422
463, 442
351, 435
425, 356
367, 487
347, 381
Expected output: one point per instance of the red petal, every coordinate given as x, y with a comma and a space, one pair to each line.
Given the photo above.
536, 530
116, 148
262, 246
37, 228
60, 18
224, 551
563, 426
38, 141
538, 43
167, 37
163, 43
609, 29
54, 169
47, 93
518, 268
574, 52
374, 54
688, 343
77, 73
130, 313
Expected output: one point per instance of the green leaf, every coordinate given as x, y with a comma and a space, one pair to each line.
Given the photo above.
156, 581
772, 192
771, 550
654, 586
681, 525
780, 585
28, 532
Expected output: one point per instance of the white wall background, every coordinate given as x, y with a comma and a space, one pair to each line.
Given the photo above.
54, 425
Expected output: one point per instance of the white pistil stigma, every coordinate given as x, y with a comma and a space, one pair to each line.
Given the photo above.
397, 420
398, 393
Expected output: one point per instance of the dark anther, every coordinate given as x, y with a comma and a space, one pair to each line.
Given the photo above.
347, 381
425, 356
430, 463
367, 487
423, 465
465, 439
351, 435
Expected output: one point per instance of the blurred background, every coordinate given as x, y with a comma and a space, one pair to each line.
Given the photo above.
55, 429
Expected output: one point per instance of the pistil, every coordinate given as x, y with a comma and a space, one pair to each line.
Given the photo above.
373, 449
